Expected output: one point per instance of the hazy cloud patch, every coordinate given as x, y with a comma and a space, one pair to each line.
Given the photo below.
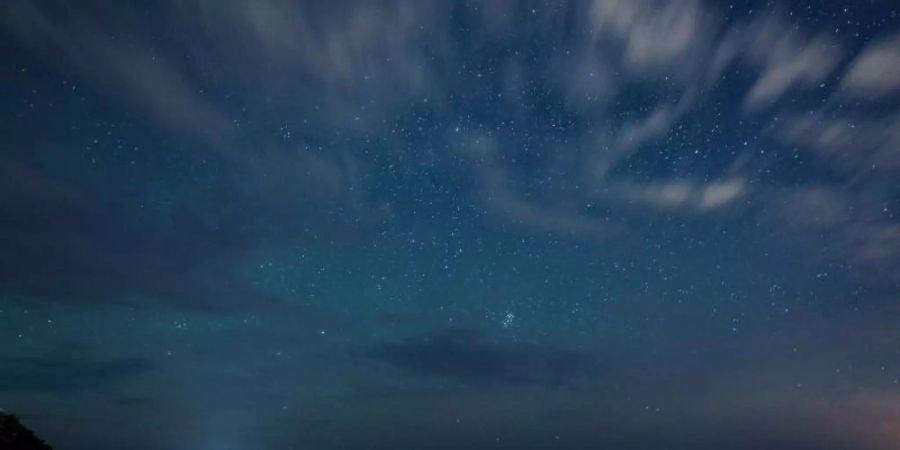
471, 357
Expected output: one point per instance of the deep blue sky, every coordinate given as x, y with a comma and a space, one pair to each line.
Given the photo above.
628, 224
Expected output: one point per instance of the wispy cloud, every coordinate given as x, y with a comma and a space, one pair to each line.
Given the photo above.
873, 74
305, 103
67, 370
470, 357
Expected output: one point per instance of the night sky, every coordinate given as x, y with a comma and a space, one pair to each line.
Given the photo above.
441, 225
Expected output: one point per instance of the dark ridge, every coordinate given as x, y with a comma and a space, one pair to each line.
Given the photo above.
14, 435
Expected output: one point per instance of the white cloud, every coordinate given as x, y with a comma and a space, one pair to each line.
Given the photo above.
850, 144
681, 195
789, 60
721, 193
852, 223
656, 37
876, 71
127, 66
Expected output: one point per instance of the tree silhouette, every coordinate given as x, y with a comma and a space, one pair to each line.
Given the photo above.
14, 436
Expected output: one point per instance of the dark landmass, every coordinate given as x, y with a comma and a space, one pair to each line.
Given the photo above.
14, 435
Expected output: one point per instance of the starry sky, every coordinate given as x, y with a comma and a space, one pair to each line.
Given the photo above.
407, 224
